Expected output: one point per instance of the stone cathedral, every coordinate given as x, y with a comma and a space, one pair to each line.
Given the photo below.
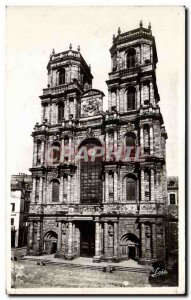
101, 205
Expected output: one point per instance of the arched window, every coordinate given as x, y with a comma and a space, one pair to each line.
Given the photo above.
90, 172
60, 112
55, 191
131, 58
146, 139
131, 98
55, 153
37, 189
131, 142
38, 158
131, 189
61, 76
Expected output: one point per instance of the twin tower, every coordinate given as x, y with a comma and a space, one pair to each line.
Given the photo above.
101, 205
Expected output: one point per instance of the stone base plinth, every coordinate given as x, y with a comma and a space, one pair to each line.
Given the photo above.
110, 258
96, 259
145, 261
34, 252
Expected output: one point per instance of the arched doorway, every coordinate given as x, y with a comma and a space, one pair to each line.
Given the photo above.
129, 246
50, 242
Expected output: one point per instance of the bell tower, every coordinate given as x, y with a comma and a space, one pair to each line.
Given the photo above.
132, 82
68, 77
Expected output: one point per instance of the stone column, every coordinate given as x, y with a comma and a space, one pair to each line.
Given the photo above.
73, 237
151, 54
75, 103
117, 99
105, 239
42, 152
154, 240
34, 153
115, 241
103, 191
62, 151
106, 187
31, 229
33, 190
115, 188
115, 141
143, 242
152, 181
151, 137
61, 189
41, 190
141, 139
138, 96
140, 49
50, 113
97, 242
109, 99
69, 189
142, 95
107, 146
38, 236
151, 94
59, 248
70, 149
142, 185
53, 114
70, 231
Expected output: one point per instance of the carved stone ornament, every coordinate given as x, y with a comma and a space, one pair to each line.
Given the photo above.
130, 127
89, 132
91, 107
54, 173
130, 168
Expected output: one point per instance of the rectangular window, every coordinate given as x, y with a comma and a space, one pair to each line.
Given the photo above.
12, 221
12, 206
172, 199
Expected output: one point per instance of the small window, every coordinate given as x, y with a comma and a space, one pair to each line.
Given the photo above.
172, 199
12, 221
12, 206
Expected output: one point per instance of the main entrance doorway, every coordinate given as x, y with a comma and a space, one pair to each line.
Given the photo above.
87, 239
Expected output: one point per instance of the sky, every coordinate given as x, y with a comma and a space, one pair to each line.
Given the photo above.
31, 34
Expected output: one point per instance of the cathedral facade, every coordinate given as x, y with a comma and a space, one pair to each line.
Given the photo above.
99, 178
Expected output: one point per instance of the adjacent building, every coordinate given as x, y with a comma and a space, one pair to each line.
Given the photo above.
20, 200
109, 202
172, 219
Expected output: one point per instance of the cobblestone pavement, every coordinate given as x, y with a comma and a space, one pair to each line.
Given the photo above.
88, 261
31, 275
